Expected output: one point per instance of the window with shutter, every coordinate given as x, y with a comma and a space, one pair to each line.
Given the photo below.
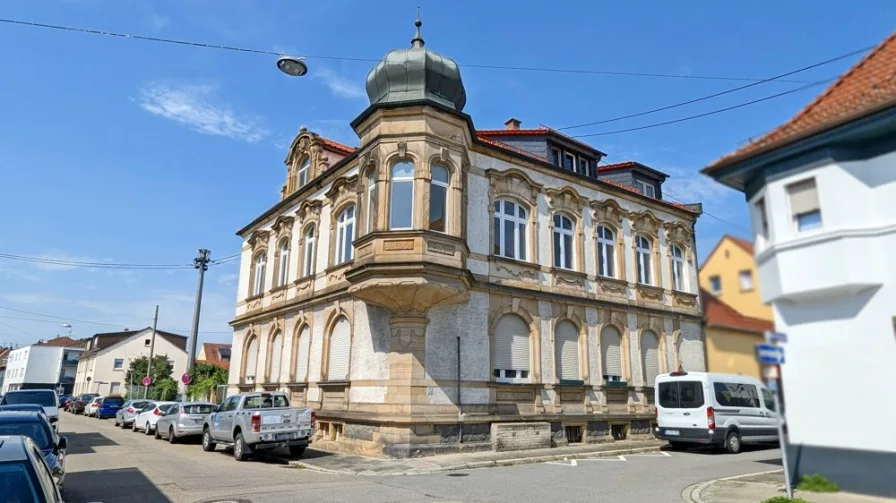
511, 340
340, 345
251, 359
611, 354
302, 356
566, 352
276, 355
650, 357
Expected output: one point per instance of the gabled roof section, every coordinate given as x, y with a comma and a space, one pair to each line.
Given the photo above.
740, 242
719, 314
109, 339
336, 146
541, 130
868, 87
63, 342
215, 354
631, 165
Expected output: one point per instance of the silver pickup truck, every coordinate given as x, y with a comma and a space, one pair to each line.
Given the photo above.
251, 422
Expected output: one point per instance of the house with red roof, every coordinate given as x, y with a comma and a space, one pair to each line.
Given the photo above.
821, 190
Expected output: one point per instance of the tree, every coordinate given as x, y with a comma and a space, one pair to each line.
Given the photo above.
161, 372
205, 378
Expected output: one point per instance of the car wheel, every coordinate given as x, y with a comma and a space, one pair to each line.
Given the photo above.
134, 426
116, 421
147, 428
172, 439
296, 451
207, 444
157, 434
732, 443
240, 449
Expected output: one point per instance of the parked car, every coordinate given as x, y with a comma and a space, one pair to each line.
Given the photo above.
252, 422
183, 420
128, 411
46, 398
715, 409
149, 415
109, 406
65, 401
26, 407
24, 475
91, 408
35, 426
78, 404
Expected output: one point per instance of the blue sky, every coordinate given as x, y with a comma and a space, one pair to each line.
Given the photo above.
139, 152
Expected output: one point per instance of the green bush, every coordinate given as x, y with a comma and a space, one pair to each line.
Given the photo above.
785, 499
817, 483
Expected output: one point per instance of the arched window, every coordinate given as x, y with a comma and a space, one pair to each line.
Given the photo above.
511, 230
251, 359
566, 352
340, 350
260, 269
302, 355
304, 171
345, 234
308, 259
678, 267
644, 250
563, 239
371, 199
650, 357
283, 265
611, 354
438, 199
511, 351
276, 355
606, 252
401, 204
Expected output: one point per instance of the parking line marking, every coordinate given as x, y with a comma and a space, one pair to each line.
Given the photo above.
621, 457
666, 454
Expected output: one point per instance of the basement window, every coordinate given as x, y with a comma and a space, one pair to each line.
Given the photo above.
574, 434
619, 431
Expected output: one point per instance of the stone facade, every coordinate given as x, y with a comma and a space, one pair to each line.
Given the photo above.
376, 293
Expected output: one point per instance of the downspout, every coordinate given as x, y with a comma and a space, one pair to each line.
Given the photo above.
460, 413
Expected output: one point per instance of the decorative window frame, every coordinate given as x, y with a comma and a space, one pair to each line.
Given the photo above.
331, 316
258, 244
384, 206
647, 224
609, 214
308, 214
616, 320
681, 235
517, 186
573, 317
244, 359
282, 229
567, 202
515, 307
302, 321
455, 210
342, 193
652, 325
276, 330
306, 145
367, 164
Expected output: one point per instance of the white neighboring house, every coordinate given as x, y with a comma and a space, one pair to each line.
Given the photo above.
46, 365
106, 359
822, 195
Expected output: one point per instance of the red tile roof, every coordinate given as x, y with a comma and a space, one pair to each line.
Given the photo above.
619, 165
336, 146
717, 313
212, 354
868, 87
63, 342
486, 139
743, 243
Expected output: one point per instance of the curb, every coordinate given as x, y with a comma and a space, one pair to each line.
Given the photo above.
691, 493
475, 465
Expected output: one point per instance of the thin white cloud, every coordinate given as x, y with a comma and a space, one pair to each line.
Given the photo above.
157, 23
191, 106
339, 85
228, 279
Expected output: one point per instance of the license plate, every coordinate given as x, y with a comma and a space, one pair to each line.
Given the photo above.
672, 433
284, 436
270, 420
197, 421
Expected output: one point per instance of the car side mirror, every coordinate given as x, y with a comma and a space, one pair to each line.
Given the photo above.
62, 444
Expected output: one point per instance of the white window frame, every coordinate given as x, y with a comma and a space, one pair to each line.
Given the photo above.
679, 269
371, 198
304, 169
260, 265
558, 155
762, 217
567, 238
308, 261
583, 170
645, 187
569, 155
444, 185
283, 265
711, 286
394, 181
516, 221
644, 259
115, 365
606, 249
748, 274
344, 236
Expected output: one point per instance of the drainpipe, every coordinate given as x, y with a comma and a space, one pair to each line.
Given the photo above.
460, 414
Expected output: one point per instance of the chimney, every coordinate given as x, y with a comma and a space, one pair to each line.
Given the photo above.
512, 124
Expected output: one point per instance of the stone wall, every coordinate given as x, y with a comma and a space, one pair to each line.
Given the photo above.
520, 436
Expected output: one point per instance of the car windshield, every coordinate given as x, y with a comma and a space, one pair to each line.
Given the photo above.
138, 405
199, 409
33, 429
15, 483
88, 397
112, 400
44, 398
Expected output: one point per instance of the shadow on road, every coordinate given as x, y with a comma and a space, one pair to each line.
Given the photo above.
771, 461
123, 484
83, 443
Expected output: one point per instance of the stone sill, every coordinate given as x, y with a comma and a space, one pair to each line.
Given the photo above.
301, 385
332, 384
519, 263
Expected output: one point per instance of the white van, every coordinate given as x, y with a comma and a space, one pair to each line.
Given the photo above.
717, 409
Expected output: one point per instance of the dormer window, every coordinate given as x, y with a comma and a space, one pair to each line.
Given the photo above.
304, 169
583, 166
646, 188
569, 161
556, 155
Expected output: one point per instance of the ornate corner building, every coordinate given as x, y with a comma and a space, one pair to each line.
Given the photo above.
438, 282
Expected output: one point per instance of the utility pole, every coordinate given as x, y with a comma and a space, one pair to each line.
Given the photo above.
200, 262
152, 347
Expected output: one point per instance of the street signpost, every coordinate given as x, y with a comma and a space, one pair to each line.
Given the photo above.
147, 380
773, 355
186, 379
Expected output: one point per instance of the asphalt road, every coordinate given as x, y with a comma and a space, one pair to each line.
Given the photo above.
108, 464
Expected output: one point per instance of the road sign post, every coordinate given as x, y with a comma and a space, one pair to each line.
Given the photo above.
773, 355
147, 381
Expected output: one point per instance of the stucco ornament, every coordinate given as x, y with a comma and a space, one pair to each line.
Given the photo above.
646, 222
512, 182
259, 239
565, 199
607, 211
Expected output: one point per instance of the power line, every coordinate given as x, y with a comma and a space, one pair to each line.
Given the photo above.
712, 112
722, 93
370, 60
95, 265
720, 219
60, 318
229, 258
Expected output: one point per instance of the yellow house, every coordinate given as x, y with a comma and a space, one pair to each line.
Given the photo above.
729, 274
731, 337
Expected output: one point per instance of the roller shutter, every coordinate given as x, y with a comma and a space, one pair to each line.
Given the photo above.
302, 356
611, 351
650, 357
566, 351
340, 346
511, 343
276, 355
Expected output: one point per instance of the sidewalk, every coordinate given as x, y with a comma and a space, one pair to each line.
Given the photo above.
361, 465
758, 487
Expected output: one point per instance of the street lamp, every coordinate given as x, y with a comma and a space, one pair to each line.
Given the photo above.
294, 67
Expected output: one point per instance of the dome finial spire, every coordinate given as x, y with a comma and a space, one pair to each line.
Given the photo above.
417, 41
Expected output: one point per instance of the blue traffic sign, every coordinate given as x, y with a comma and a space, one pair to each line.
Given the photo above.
769, 355
775, 336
